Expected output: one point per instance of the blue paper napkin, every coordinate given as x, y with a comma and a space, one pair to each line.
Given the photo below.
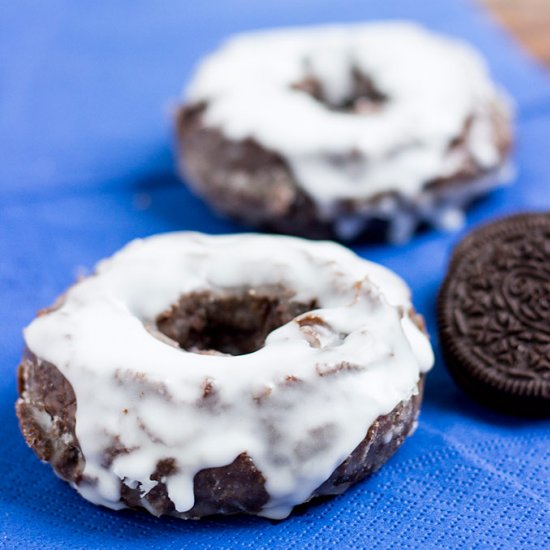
85, 146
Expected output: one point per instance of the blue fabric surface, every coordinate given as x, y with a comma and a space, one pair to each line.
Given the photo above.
85, 138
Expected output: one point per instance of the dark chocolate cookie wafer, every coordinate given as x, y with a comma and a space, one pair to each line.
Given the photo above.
494, 314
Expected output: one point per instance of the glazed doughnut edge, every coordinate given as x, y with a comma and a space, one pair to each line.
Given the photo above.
46, 411
256, 186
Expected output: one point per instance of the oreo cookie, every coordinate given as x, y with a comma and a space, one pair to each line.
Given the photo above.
494, 315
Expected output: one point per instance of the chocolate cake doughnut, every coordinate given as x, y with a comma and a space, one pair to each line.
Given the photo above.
193, 375
344, 131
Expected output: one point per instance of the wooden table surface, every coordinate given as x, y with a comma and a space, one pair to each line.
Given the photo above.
529, 21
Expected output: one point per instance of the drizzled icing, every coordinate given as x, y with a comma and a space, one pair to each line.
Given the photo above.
435, 87
137, 389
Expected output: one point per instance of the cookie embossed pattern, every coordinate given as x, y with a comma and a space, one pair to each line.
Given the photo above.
494, 314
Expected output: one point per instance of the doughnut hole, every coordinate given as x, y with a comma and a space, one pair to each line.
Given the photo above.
231, 322
364, 96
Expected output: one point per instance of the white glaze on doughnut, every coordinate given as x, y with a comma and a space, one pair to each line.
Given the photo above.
434, 86
132, 385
